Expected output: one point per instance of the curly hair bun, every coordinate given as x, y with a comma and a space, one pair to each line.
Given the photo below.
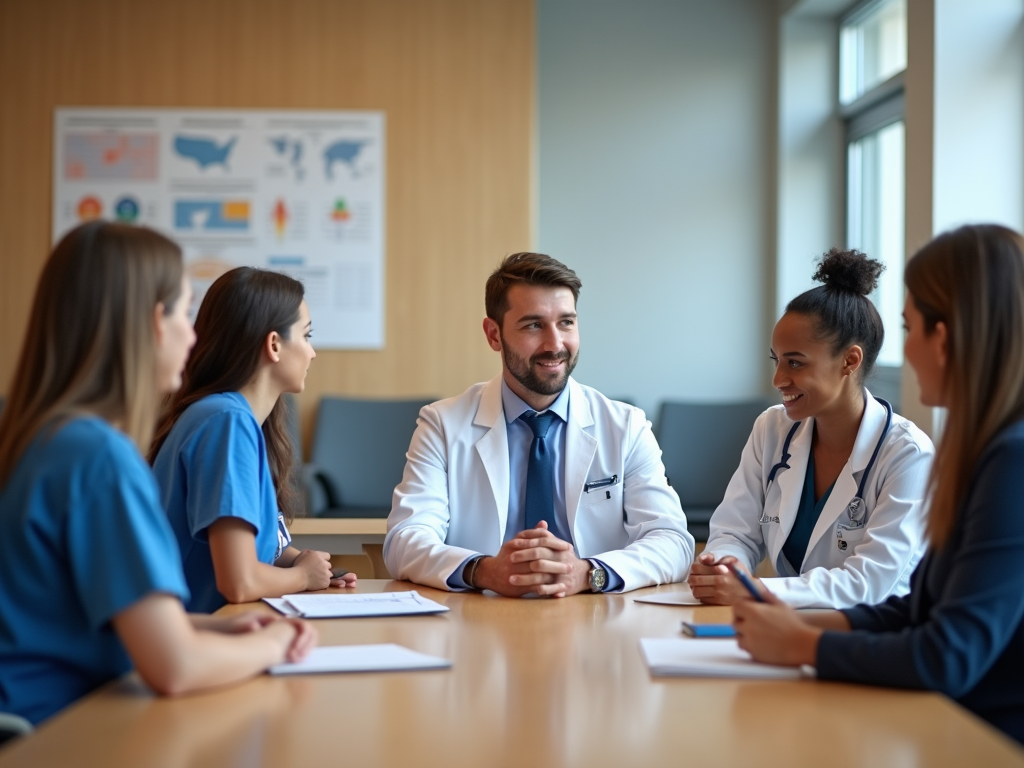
848, 271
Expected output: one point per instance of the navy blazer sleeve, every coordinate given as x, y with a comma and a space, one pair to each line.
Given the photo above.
969, 601
890, 616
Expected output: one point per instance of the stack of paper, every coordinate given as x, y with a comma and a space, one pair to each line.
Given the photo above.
329, 606
707, 658
361, 658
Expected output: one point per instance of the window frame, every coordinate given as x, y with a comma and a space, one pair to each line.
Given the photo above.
875, 109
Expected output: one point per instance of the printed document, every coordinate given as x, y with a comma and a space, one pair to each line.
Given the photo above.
330, 606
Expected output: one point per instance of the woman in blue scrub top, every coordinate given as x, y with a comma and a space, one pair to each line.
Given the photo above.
961, 629
830, 487
222, 455
90, 577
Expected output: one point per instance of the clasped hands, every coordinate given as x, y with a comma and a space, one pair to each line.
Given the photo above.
535, 561
770, 631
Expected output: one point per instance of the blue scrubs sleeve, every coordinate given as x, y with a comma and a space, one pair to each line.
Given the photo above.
224, 459
134, 553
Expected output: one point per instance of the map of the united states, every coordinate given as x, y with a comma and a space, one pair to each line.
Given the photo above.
205, 152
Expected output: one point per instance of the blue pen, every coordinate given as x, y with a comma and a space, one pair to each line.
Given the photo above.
745, 581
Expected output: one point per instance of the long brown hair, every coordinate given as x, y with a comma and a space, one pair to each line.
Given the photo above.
238, 312
971, 279
90, 347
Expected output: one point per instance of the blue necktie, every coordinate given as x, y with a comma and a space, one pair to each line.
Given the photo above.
540, 474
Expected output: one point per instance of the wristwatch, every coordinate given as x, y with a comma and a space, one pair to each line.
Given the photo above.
598, 577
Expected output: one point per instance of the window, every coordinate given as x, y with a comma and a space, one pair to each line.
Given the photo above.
872, 58
872, 47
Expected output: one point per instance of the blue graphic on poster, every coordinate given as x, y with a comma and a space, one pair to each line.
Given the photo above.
212, 215
290, 150
204, 151
346, 152
126, 209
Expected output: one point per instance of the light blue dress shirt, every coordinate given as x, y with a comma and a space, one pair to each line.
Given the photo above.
520, 440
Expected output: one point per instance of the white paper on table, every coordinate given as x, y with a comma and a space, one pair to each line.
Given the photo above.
281, 605
683, 597
386, 657
326, 606
666, 656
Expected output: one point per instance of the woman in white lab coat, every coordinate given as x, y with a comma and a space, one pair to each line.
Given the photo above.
831, 483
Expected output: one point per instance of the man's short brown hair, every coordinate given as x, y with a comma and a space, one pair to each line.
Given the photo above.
527, 269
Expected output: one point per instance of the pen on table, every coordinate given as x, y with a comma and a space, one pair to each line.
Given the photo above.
746, 582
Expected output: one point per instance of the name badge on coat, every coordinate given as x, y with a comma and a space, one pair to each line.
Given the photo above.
856, 513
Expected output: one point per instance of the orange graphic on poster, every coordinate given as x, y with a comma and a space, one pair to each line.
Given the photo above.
280, 218
89, 208
113, 155
235, 210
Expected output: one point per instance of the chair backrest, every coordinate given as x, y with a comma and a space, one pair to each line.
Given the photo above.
361, 444
701, 445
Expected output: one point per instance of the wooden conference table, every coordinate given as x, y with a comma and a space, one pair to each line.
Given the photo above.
534, 683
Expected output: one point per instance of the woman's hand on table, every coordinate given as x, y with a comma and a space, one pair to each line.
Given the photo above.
774, 633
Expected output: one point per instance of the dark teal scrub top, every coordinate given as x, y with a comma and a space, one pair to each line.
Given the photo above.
807, 515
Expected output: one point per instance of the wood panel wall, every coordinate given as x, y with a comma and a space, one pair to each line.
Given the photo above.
454, 77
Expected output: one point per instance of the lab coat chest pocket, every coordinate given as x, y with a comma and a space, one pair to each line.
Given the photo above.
849, 536
601, 511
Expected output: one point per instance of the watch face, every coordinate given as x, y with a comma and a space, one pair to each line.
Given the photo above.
598, 579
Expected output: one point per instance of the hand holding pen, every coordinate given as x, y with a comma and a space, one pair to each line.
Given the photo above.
714, 581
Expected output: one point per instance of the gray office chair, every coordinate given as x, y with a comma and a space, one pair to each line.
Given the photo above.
358, 455
13, 726
701, 445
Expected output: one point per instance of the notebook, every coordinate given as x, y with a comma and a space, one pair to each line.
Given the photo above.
708, 658
386, 657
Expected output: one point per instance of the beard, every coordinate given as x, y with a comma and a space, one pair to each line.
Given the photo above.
524, 370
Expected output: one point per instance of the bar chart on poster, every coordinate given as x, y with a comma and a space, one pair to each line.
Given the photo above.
300, 192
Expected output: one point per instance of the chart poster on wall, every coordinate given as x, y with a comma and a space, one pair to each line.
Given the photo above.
300, 192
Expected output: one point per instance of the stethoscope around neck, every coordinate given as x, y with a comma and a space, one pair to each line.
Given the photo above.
856, 507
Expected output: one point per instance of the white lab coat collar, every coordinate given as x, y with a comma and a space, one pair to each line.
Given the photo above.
791, 483
580, 448
493, 448
871, 426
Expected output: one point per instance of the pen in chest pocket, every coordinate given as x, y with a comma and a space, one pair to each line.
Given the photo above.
595, 485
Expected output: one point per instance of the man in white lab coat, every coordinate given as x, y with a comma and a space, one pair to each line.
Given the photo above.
532, 483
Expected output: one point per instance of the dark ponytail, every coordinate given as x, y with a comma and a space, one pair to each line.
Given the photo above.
843, 312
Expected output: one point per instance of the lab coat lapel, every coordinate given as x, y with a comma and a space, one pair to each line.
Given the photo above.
493, 448
791, 485
580, 449
871, 425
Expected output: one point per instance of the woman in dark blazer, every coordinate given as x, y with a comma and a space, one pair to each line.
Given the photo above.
961, 629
